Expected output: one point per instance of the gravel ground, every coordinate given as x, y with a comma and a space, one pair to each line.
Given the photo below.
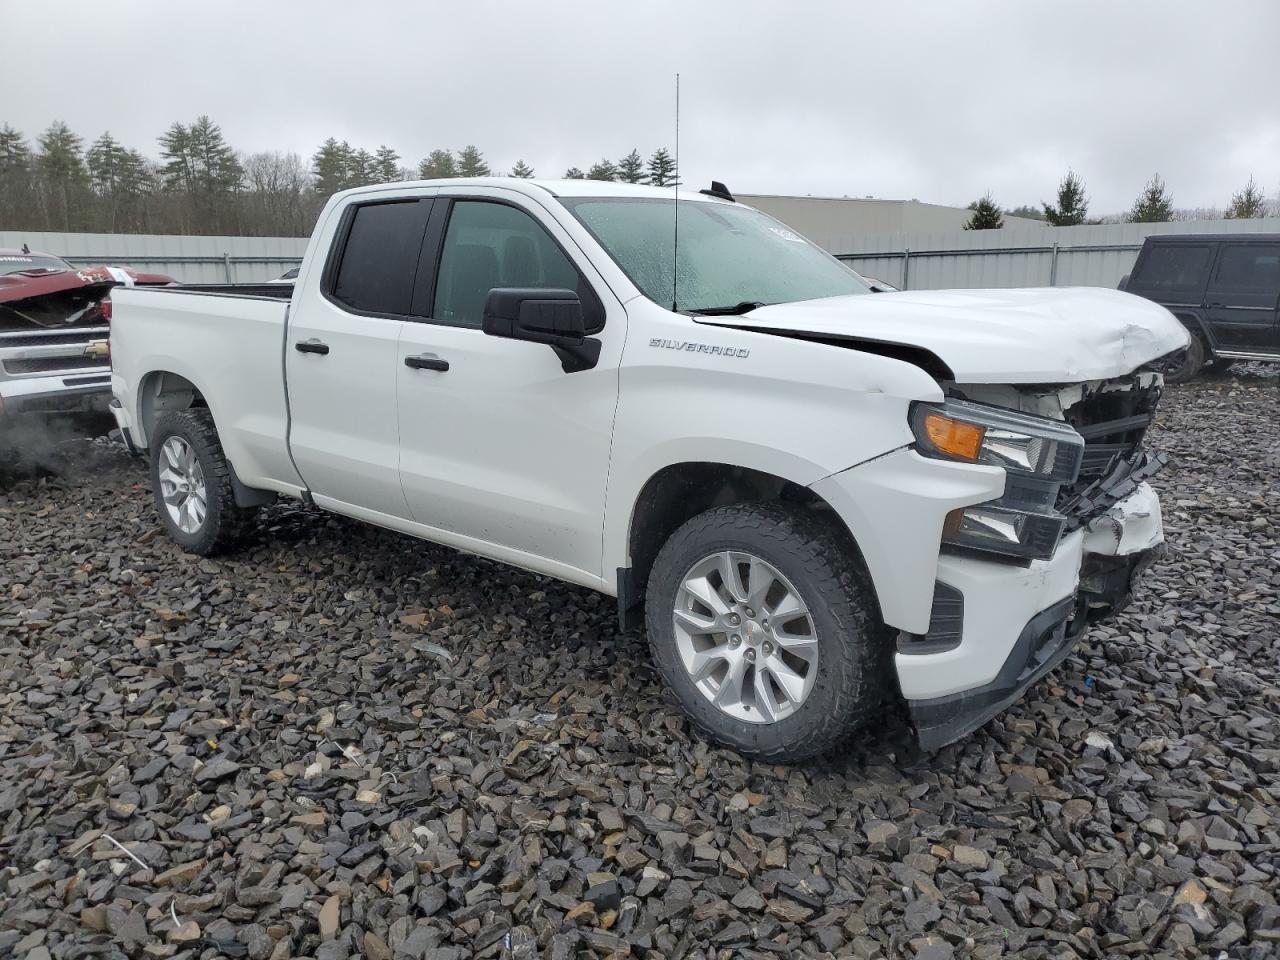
344, 742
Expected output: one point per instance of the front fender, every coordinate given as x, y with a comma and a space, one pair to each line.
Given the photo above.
791, 408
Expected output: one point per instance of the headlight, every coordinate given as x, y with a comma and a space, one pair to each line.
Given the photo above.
1035, 446
1038, 455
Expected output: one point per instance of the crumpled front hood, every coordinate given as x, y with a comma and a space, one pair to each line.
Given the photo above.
1039, 335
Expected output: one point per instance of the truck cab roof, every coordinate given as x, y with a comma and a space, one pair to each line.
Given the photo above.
541, 187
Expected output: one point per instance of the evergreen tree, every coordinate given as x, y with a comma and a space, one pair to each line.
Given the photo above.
133, 177
16, 199
631, 168
471, 163
60, 160
105, 157
604, 170
15, 155
1072, 206
986, 215
60, 164
329, 166
217, 166
363, 169
522, 170
662, 169
1248, 204
386, 165
438, 165
198, 159
1154, 204
573, 173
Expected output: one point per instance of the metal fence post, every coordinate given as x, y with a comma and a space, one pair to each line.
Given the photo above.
1053, 265
226, 266
906, 266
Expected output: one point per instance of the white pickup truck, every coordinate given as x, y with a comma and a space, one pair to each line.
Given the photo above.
816, 497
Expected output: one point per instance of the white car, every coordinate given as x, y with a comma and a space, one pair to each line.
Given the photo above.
814, 498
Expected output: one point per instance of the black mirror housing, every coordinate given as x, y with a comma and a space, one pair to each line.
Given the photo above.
549, 316
543, 316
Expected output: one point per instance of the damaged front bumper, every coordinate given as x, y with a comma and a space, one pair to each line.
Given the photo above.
1011, 626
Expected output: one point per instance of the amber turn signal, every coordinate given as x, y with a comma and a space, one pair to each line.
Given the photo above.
954, 438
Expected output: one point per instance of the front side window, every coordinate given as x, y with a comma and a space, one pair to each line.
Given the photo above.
1249, 268
488, 245
380, 258
729, 255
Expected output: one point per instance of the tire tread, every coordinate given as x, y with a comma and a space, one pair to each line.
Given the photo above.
226, 523
829, 564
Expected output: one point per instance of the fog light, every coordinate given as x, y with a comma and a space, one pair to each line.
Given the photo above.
992, 529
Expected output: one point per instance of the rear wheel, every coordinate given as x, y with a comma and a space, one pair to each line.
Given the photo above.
191, 481
764, 627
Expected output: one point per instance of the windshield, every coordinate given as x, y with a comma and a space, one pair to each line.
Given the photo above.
730, 256
30, 263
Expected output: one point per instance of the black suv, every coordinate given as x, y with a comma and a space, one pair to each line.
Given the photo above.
1224, 287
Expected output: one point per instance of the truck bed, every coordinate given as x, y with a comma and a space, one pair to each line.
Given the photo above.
229, 344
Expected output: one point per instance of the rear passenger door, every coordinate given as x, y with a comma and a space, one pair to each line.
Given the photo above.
341, 358
1243, 298
501, 451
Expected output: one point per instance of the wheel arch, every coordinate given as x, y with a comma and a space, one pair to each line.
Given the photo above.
1197, 328
162, 391
678, 492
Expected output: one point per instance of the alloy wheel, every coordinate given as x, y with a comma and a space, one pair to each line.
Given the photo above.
182, 485
746, 637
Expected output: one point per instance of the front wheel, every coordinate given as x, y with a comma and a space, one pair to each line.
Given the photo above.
765, 628
1185, 366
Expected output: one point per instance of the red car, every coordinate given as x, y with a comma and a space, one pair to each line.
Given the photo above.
53, 331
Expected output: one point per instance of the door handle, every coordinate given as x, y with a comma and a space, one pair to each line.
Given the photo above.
426, 361
312, 346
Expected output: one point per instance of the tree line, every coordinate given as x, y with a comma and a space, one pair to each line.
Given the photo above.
201, 185
1153, 205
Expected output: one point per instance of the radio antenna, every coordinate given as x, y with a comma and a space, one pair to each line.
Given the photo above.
675, 206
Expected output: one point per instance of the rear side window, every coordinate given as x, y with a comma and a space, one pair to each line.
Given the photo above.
1173, 268
380, 257
491, 245
1249, 268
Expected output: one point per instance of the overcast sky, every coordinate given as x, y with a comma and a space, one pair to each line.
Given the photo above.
939, 101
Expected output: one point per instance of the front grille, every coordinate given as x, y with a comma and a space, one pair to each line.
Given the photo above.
54, 364
1113, 423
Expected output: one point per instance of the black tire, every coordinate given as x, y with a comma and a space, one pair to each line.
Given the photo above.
1217, 366
1186, 368
225, 524
853, 647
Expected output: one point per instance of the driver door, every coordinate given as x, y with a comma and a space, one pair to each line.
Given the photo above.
501, 451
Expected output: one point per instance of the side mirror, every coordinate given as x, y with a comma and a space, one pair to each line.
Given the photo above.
553, 317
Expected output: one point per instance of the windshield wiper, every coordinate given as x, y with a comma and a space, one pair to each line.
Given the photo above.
746, 306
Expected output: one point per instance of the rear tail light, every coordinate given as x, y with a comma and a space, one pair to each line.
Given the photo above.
105, 308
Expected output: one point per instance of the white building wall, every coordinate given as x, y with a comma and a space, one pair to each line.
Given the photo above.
826, 219
1092, 255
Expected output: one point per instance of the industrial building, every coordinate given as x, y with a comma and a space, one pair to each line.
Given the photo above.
823, 219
